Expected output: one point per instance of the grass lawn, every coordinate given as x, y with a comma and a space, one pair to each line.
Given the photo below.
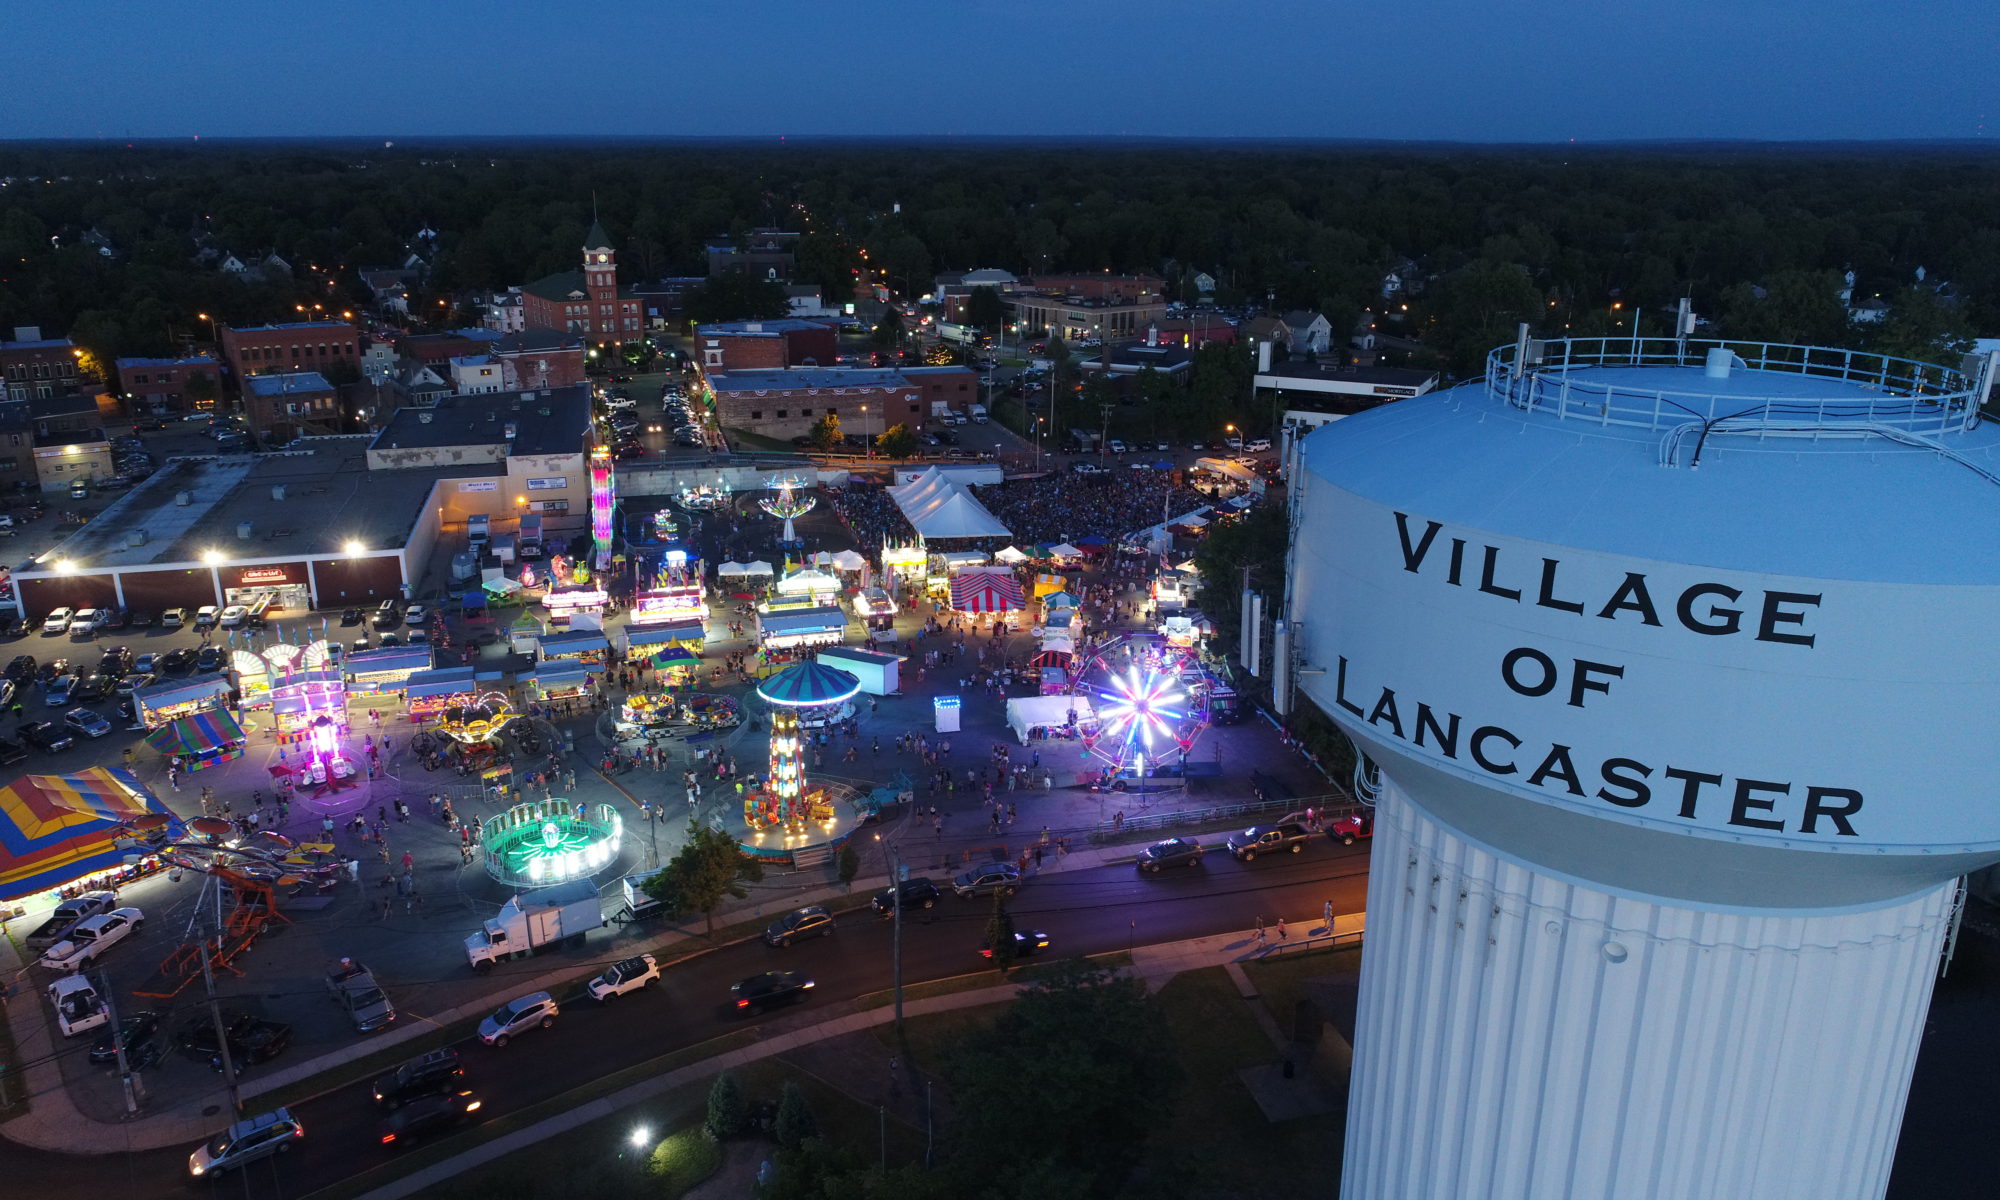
1281, 979
13, 1082
1242, 1153
931, 1035
844, 1120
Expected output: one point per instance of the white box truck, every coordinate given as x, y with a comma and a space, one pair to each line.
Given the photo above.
532, 920
977, 412
503, 549
476, 527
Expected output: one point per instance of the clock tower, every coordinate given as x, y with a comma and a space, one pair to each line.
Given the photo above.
600, 280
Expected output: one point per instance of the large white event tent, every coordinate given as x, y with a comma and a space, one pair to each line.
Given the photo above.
937, 507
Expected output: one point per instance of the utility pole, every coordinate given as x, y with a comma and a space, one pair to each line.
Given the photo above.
1104, 439
133, 1089
896, 908
215, 1006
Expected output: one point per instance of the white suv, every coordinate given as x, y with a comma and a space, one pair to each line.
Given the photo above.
517, 1016
57, 621
628, 976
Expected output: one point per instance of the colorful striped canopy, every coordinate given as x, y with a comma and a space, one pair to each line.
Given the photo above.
676, 656
807, 685
192, 735
1051, 658
983, 593
58, 828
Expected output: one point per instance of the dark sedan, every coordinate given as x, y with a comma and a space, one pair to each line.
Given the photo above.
53, 669
1026, 943
769, 990
803, 923
208, 659
93, 687
426, 1116
251, 1040
21, 668
46, 736
135, 1035
177, 662
1174, 852
352, 616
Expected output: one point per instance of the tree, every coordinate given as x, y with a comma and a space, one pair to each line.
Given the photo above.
708, 868
897, 441
735, 297
849, 861
1081, 1067
1257, 542
1920, 328
199, 391
796, 1122
985, 310
889, 330
1000, 932
825, 434
727, 1110
636, 353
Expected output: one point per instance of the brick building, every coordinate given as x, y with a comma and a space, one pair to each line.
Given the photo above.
784, 404
159, 385
290, 348
767, 345
438, 349
540, 358
281, 407
1105, 287
590, 301
34, 366
954, 387
48, 442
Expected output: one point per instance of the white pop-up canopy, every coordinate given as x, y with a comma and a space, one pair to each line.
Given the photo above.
1010, 555
1028, 713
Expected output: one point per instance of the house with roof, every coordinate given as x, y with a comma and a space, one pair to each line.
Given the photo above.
505, 313
1308, 332
591, 301
282, 407
389, 287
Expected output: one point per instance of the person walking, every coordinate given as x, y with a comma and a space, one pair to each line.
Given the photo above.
1281, 929
1260, 931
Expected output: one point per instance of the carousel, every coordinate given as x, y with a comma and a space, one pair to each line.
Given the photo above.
703, 498
788, 816
550, 841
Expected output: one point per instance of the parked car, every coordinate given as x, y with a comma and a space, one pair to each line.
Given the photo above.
1174, 852
252, 1039
426, 1075
415, 614
1268, 839
46, 736
206, 616
91, 938
352, 616
426, 1116
86, 722
245, 1142
132, 683
51, 669
1257, 445
146, 664
20, 669
59, 690
135, 1035
208, 658
91, 688
173, 618
920, 892
1351, 828
799, 924
58, 621
178, 662
769, 990
1027, 943
987, 878
631, 975
534, 1010
233, 616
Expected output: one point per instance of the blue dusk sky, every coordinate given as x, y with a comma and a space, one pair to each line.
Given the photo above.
1469, 70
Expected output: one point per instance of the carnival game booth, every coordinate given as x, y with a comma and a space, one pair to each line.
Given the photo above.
523, 633
428, 693
678, 666
876, 610
164, 703
1011, 556
851, 566
902, 562
1049, 718
1062, 554
821, 586
800, 628
674, 593
384, 670
200, 740
565, 604
57, 831
631, 643
588, 646
878, 673
564, 679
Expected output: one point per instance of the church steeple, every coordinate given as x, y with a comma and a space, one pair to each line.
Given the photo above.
600, 269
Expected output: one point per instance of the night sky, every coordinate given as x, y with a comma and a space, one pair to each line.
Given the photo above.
1472, 70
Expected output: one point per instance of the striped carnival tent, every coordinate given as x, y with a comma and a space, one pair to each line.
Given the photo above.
809, 685
57, 828
985, 593
195, 734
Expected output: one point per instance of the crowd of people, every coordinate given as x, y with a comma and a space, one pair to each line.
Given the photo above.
1063, 508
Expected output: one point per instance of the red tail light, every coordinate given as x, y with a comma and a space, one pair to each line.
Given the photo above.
743, 1004
387, 1138
986, 953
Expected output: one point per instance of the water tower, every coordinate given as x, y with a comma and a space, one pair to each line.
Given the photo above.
1677, 661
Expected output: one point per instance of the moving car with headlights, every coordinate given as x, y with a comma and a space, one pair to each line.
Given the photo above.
1174, 852
769, 990
536, 1010
426, 1075
426, 1116
246, 1142
1027, 942
87, 942
809, 922
628, 976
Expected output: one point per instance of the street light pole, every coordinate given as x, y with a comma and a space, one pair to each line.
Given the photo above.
896, 907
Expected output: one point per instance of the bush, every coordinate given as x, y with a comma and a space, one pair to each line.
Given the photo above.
726, 1107
683, 1160
849, 863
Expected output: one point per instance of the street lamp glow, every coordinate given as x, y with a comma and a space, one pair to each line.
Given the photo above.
63, 566
353, 547
212, 557
641, 1137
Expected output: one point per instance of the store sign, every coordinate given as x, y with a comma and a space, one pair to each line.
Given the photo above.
1383, 389
251, 575
547, 485
548, 506
479, 485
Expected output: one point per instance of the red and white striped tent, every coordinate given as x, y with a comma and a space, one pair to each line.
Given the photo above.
979, 592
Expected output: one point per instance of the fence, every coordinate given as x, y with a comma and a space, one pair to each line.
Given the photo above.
1329, 807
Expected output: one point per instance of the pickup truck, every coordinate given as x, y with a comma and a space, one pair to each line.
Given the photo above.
1268, 839
79, 1008
67, 914
91, 938
353, 987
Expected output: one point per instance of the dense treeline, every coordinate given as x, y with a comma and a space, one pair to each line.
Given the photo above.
1501, 234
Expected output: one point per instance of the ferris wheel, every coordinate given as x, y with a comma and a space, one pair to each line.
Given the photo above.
1151, 699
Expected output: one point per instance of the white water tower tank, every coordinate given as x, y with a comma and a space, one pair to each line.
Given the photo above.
1679, 768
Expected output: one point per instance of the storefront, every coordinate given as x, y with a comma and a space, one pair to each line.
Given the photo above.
286, 584
387, 669
428, 693
164, 703
562, 680
583, 645
199, 741
799, 628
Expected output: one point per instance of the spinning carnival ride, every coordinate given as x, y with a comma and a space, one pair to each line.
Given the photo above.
787, 505
1151, 700
603, 500
472, 731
